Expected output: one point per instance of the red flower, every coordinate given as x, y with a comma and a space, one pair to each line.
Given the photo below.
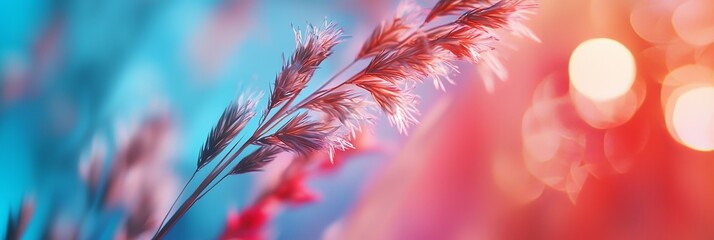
247, 225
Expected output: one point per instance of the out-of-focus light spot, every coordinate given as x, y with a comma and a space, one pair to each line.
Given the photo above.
611, 113
687, 75
553, 86
550, 149
602, 69
679, 54
540, 136
556, 172
652, 21
694, 22
693, 118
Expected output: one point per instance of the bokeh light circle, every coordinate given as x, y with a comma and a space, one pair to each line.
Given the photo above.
694, 22
652, 21
602, 69
677, 83
693, 118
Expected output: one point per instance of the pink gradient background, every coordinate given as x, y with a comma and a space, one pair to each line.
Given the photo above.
465, 172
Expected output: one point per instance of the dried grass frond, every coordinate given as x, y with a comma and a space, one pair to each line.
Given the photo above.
256, 160
301, 135
448, 7
495, 16
464, 42
338, 141
389, 34
398, 104
348, 107
234, 118
311, 49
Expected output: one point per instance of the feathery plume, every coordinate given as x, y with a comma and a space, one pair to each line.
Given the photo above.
232, 121
491, 69
301, 135
256, 160
309, 53
338, 141
347, 106
495, 16
464, 42
447, 7
387, 34
390, 34
506, 14
398, 104
412, 63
